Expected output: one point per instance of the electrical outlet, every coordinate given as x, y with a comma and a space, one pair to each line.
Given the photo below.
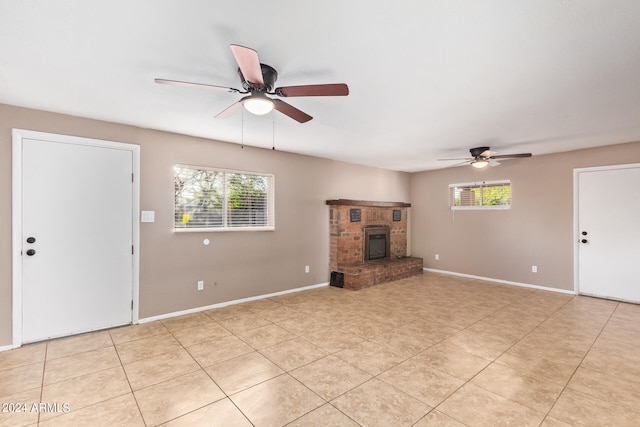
200, 285
534, 268
306, 268
437, 257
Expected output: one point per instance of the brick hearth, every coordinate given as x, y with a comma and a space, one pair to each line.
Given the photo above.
347, 255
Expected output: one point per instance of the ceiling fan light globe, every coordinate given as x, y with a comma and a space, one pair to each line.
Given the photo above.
479, 164
259, 106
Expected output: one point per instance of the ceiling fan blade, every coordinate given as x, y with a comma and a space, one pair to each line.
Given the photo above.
487, 153
493, 163
249, 63
466, 162
511, 156
229, 111
291, 111
194, 85
466, 159
333, 89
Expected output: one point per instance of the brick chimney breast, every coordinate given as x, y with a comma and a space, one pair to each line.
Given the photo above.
348, 222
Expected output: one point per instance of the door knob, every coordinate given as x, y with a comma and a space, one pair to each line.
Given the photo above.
31, 252
584, 240
31, 239
584, 233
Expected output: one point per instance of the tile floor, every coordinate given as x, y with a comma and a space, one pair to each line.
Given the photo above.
432, 350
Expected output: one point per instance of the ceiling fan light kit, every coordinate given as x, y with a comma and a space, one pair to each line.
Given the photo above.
258, 80
258, 105
479, 164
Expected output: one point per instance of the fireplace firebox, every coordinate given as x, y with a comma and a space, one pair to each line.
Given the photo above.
377, 242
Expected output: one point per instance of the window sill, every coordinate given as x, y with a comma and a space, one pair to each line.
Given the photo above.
222, 229
480, 208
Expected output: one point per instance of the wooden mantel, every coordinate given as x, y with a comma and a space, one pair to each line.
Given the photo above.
348, 202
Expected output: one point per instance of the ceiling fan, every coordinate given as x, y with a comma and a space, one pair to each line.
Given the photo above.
483, 156
258, 81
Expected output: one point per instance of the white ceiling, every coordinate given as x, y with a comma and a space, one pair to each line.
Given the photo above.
427, 79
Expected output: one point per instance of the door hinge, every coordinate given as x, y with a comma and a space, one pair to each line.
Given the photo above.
132, 250
132, 178
131, 304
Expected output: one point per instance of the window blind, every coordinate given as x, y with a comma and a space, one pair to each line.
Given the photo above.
480, 195
218, 199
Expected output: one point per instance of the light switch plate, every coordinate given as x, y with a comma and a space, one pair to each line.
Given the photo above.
147, 216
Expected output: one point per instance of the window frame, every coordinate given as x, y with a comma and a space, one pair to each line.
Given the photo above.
270, 211
480, 185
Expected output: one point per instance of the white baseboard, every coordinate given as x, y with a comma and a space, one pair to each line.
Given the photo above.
504, 282
226, 303
6, 348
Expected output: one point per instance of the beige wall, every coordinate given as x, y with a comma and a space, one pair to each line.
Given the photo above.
243, 264
504, 244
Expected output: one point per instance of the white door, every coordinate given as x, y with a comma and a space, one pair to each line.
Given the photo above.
77, 237
608, 228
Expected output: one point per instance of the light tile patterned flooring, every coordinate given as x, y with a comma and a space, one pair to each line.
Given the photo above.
432, 350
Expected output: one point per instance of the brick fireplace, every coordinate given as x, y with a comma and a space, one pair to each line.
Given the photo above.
368, 242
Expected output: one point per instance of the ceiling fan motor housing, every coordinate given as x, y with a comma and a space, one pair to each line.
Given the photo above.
477, 152
269, 76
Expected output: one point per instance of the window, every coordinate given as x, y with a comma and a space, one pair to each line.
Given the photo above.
480, 195
217, 199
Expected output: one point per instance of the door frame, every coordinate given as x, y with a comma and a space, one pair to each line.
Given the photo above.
18, 135
576, 215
